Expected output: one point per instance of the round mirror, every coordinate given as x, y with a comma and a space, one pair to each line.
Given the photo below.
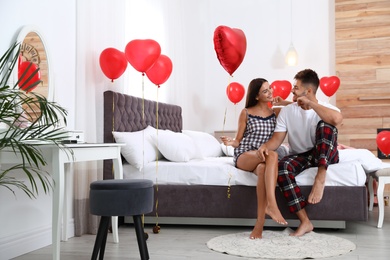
33, 49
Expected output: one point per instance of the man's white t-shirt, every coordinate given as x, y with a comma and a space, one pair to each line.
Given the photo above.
300, 126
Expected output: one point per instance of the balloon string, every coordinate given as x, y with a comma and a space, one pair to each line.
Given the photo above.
223, 133
156, 207
224, 117
143, 98
143, 121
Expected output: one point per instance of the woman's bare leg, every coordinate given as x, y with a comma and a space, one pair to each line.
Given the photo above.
271, 175
248, 161
257, 231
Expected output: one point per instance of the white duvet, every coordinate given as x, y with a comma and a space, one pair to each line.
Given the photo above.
350, 171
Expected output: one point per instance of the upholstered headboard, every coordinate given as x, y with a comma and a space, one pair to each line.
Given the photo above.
125, 113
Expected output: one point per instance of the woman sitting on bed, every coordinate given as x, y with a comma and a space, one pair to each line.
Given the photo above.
256, 125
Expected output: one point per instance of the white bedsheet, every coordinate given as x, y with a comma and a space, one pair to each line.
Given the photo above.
221, 171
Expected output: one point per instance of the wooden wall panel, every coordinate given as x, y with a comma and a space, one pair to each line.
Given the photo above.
363, 66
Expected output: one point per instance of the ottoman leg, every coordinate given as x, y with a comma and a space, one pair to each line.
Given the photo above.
143, 249
101, 238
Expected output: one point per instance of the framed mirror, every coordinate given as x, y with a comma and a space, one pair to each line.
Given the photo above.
34, 49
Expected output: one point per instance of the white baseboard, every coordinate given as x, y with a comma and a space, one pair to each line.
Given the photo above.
25, 242
334, 224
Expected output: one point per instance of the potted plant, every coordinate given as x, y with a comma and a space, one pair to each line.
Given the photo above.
27, 120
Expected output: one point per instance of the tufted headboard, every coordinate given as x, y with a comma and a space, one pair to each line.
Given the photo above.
125, 113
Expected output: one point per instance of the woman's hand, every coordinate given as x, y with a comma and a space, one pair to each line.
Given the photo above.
227, 140
262, 152
278, 101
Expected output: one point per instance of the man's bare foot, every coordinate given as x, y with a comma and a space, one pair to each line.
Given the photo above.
304, 227
257, 231
274, 213
317, 191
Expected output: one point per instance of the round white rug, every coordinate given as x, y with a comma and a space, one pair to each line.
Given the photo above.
279, 245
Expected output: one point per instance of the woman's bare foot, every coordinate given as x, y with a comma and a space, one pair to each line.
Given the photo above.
317, 191
274, 213
257, 231
304, 227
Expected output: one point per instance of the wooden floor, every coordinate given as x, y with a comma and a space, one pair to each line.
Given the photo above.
189, 242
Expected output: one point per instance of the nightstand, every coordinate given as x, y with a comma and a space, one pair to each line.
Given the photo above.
230, 133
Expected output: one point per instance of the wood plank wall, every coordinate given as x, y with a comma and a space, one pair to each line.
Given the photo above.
363, 66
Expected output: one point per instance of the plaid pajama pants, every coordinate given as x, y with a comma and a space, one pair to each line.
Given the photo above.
323, 153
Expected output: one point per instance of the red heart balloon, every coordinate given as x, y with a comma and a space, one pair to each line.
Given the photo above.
230, 46
160, 71
383, 142
29, 76
329, 85
235, 92
113, 63
281, 88
142, 54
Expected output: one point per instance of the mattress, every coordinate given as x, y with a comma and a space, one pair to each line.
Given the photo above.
220, 171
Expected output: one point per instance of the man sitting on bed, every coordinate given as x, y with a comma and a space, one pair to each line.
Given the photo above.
312, 135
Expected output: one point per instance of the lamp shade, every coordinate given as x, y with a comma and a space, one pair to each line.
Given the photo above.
291, 56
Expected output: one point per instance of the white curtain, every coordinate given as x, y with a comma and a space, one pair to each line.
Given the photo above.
100, 25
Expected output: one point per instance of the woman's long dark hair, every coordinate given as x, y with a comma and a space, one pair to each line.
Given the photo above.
253, 91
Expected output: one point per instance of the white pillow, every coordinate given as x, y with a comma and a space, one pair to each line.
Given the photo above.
140, 148
227, 150
176, 147
366, 158
207, 144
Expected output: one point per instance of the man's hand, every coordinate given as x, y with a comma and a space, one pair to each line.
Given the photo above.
304, 102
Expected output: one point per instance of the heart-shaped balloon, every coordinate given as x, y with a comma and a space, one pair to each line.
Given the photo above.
230, 46
113, 63
281, 88
142, 54
29, 76
160, 71
235, 92
383, 142
329, 85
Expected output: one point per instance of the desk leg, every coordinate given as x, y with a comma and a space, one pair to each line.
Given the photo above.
68, 175
58, 201
118, 174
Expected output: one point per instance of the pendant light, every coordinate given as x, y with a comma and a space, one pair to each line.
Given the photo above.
292, 55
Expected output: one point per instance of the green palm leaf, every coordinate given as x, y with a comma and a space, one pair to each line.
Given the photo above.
44, 116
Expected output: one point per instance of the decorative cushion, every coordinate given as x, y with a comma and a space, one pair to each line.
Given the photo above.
176, 147
140, 147
366, 158
227, 150
206, 143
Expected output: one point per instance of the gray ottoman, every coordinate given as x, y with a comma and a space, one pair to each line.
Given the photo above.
120, 198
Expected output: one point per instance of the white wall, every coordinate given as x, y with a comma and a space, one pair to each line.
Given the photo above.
76, 32
25, 224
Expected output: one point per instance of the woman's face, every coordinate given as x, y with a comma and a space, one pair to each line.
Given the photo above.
265, 93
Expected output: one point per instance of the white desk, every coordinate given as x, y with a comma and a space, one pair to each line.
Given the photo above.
56, 159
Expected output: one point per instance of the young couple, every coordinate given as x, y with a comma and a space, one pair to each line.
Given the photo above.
312, 136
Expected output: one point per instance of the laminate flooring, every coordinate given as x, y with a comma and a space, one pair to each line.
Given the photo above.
189, 242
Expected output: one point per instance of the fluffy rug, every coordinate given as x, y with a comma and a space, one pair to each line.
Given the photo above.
279, 245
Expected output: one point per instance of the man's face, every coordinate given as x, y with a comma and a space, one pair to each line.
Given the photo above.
298, 90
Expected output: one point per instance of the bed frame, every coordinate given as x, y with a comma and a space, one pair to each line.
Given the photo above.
210, 205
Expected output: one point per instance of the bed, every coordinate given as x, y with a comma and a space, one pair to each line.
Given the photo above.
209, 190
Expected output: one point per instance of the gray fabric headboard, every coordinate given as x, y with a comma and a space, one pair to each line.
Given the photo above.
125, 113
